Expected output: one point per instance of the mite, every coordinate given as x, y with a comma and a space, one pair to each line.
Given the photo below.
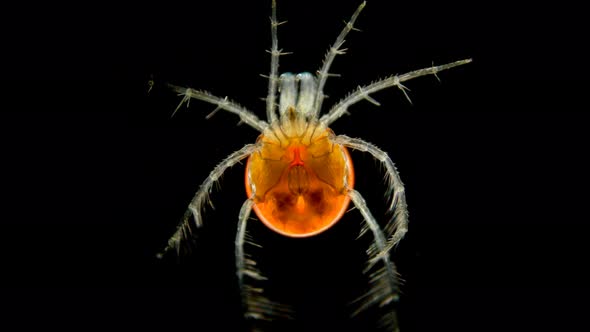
299, 176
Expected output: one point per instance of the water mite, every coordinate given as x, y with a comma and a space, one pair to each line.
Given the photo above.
299, 175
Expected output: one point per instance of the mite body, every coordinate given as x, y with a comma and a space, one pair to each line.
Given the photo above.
299, 176
301, 179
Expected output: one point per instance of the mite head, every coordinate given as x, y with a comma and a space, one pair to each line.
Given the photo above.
297, 100
298, 92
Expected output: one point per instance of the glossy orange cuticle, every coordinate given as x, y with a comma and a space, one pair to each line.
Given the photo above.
301, 189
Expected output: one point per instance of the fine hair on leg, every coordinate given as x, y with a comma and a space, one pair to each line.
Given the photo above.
363, 92
383, 280
335, 49
397, 226
246, 116
195, 207
256, 305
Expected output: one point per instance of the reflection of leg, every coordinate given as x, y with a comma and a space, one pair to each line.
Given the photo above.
256, 305
384, 286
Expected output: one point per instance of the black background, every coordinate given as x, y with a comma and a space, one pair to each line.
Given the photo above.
96, 174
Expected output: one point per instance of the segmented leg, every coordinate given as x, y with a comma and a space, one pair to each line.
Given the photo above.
245, 115
396, 80
273, 78
196, 205
334, 50
384, 286
256, 305
397, 227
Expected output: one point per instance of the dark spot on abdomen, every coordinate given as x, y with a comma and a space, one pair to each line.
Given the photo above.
316, 200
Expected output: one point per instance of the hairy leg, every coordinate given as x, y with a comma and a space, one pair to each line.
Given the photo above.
256, 305
396, 80
245, 115
202, 195
397, 226
334, 50
384, 285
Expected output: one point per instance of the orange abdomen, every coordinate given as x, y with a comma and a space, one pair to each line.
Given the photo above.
300, 189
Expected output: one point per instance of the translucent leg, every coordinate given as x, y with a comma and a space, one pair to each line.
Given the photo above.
245, 115
397, 226
256, 305
384, 285
396, 80
273, 78
334, 50
196, 205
